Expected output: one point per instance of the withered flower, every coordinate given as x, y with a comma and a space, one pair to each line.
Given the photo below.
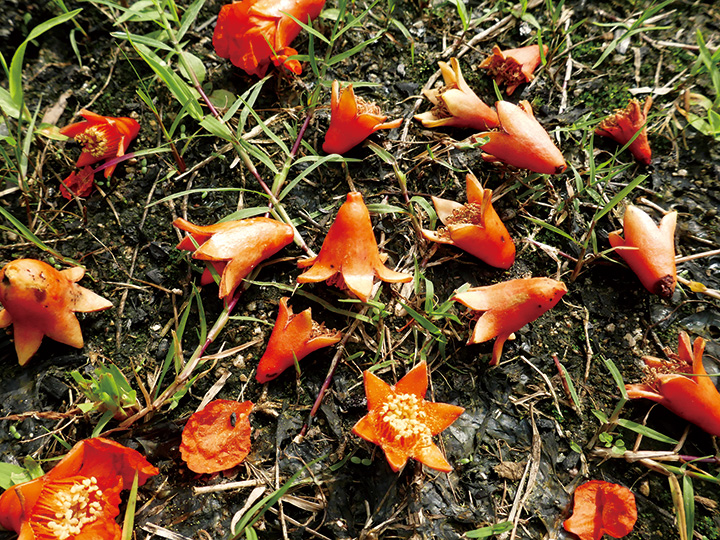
240, 244
293, 338
625, 123
352, 120
41, 301
456, 104
349, 256
682, 385
402, 423
102, 137
522, 141
474, 227
508, 306
654, 259
253, 33
513, 67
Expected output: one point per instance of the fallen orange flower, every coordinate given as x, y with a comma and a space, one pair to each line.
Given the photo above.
522, 141
217, 437
513, 67
474, 227
79, 184
600, 508
456, 104
682, 385
624, 124
349, 256
654, 259
41, 301
352, 120
508, 306
240, 244
402, 423
293, 338
253, 33
79, 497
102, 137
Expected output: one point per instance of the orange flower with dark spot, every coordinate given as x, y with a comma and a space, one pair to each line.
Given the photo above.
352, 120
235, 247
41, 301
474, 227
79, 498
293, 338
522, 142
402, 423
217, 437
513, 67
508, 306
682, 385
102, 137
253, 33
654, 259
624, 124
349, 256
601, 508
456, 104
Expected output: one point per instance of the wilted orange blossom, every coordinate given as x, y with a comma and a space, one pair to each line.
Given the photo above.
352, 120
513, 67
349, 256
241, 245
474, 227
508, 306
254, 33
521, 141
455, 104
624, 124
682, 385
294, 336
653, 256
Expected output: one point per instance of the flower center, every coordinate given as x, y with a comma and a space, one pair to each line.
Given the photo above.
94, 140
403, 420
367, 107
72, 505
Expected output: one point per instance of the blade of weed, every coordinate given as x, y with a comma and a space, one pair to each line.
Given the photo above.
645, 431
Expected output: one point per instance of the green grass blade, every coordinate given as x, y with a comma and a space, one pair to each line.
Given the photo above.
645, 431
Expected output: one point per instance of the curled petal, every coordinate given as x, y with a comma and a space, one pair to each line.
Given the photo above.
625, 124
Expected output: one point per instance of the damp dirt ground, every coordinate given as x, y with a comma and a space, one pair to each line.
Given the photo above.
524, 442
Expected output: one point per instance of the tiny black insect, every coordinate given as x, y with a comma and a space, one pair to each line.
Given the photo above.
233, 419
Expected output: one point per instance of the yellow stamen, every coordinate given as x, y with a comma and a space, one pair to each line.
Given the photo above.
95, 140
73, 505
403, 420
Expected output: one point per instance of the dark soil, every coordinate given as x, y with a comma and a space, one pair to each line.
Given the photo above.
522, 445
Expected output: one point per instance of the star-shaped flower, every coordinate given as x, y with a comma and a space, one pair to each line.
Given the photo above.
402, 423
41, 301
349, 256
